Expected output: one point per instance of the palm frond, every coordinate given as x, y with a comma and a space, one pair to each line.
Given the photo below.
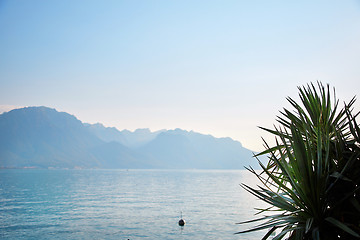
315, 160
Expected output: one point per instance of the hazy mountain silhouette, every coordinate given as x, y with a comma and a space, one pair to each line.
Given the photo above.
107, 134
195, 150
42, 137
130, 139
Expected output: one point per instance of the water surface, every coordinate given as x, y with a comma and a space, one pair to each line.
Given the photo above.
124, 204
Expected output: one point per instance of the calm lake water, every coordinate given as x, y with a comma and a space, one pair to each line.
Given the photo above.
124, 204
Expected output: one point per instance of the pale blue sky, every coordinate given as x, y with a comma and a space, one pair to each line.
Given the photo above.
216, 67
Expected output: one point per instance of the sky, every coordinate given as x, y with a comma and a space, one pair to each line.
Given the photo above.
215, 67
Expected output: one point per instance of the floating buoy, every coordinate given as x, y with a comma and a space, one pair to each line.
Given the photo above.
181, 221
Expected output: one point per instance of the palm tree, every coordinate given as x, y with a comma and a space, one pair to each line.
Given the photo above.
312, 179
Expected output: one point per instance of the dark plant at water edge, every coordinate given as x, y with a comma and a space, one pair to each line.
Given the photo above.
312, 179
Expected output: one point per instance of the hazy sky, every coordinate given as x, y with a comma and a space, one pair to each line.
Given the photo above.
216, 67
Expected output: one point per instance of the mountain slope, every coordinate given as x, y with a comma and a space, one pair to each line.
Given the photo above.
182, 149
42, 137
172, 151
106, 134
127, 138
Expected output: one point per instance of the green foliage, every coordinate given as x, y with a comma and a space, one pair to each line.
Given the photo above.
312, 179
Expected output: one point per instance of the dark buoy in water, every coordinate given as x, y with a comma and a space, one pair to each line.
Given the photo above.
181, 221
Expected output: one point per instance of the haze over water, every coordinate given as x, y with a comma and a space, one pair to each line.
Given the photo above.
216, 67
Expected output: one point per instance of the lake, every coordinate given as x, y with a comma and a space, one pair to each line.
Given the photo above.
124, 204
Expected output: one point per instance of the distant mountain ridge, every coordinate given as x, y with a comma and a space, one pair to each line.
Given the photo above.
130, 139
42, 137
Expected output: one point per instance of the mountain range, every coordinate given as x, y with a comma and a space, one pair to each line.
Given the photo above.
42, 137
